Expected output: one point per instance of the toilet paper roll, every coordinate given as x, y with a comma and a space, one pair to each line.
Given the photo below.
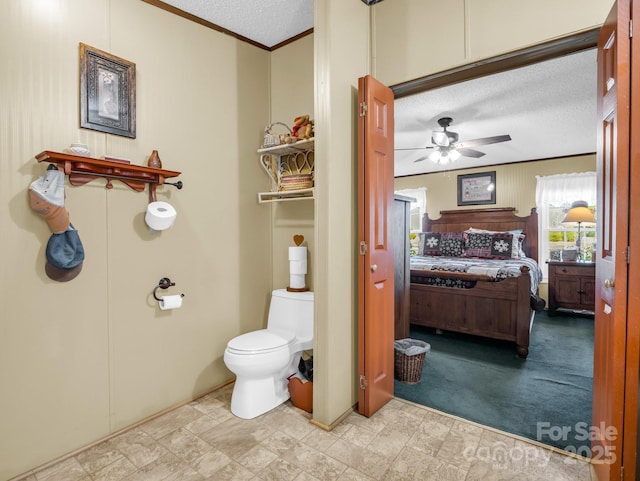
160, 215
297, 267
297, 253
171, 302
296, 281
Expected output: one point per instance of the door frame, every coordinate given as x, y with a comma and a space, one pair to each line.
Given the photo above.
586, 40
545, 51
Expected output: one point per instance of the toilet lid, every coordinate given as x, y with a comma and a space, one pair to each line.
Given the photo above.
263, 340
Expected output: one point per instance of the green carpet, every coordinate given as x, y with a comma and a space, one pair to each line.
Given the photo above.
546, 397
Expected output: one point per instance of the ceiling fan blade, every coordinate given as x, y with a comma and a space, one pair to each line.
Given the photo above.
470, 153
484, 141
417, 148
420, 159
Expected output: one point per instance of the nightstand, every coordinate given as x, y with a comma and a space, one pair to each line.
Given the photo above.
572, 286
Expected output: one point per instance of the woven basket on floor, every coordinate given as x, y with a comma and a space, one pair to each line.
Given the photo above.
408, 369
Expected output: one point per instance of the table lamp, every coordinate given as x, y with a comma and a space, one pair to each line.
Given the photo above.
579, 212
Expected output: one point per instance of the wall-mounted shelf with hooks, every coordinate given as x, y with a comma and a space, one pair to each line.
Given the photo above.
291, 169
82, 169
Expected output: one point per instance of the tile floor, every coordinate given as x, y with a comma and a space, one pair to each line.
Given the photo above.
204, 441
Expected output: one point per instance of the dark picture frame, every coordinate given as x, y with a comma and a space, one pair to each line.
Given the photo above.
477, 189
107, 92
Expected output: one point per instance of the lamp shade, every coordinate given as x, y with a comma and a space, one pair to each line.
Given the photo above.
579, 212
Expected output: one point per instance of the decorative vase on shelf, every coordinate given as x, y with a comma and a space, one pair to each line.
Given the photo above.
154, 160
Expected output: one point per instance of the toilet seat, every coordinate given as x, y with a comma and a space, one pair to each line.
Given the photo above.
262, 341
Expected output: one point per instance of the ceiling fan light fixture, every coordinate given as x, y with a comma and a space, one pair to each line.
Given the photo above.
435, 156
454, 155
440, 138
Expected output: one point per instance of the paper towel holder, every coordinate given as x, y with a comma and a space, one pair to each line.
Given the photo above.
163, 283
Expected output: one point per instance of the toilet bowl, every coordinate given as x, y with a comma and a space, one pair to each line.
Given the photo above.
262, 360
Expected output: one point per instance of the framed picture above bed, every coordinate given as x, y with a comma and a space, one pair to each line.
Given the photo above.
477, 189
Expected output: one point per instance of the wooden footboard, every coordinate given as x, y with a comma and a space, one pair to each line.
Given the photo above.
497, 310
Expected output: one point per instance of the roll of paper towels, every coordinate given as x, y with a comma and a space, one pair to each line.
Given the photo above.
171, 302
297, 253
160, 215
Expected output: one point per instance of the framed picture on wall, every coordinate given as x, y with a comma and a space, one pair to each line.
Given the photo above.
477, 189
107, 92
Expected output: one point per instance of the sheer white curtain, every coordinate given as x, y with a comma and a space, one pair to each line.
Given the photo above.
557, 190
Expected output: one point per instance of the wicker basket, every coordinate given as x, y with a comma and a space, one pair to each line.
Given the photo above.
271, 138
408, 368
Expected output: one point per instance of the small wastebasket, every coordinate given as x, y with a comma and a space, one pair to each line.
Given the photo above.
409, 357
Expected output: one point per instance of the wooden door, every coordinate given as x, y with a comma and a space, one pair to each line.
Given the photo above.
632, 367
614, 54
375, 262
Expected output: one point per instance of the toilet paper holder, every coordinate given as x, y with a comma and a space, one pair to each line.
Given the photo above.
163, 283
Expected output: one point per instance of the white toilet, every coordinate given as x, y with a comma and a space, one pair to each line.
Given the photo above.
263, 360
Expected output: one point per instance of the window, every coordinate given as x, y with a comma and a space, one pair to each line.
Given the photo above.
554, 195
418, 209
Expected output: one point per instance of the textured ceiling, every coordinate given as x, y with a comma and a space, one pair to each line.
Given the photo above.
548, 108
267, 22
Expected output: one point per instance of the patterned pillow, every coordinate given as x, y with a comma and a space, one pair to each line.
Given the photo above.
500, 245
478, 245
432, 244
518, 235
505, 246
448, 244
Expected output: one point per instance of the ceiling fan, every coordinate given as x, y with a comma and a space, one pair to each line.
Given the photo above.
447, 148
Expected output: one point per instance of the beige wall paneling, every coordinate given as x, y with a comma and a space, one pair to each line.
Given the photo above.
84, 358
341, 54
198, 123
415, 38
497, 26
291, 95
515, 183
53, 336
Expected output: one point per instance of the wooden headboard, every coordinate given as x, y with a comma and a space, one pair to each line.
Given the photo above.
497, 218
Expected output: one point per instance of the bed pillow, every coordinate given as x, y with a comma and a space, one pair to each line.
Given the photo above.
505, 246
478, 244
499, 245
449, 244
518, 232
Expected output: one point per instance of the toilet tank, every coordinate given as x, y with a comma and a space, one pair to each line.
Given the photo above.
293, 312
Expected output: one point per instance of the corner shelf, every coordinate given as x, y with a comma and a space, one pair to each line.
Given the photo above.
285, 195
300, 146
82, 170
281, 159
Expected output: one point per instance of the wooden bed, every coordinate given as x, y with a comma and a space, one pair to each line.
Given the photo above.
497, 310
